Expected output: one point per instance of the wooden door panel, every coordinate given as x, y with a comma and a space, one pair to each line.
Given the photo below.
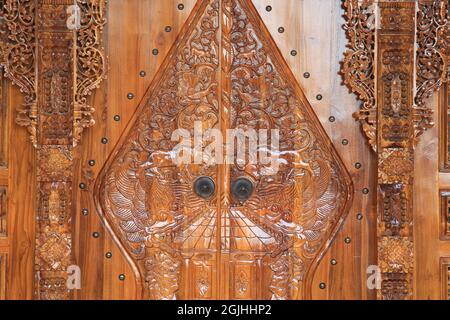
147, 201
221, 247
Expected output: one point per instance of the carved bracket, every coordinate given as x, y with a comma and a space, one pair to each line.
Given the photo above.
395, 114
51, 49
20, 49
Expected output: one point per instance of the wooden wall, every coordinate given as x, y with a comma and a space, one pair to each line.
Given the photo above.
135, 28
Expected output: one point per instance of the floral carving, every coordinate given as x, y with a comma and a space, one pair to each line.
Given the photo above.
358, 64
433, 50
38, 55
91, 61
237, 82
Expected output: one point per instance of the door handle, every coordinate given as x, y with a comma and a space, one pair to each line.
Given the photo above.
242, 189
204, 187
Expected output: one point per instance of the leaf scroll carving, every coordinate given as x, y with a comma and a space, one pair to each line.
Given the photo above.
433, 54
358, 65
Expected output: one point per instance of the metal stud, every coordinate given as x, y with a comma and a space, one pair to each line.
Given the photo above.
82, 186
116, 117
293, 53
365, 191
142, 73
322, 285
358, 165
333, 262
104, 140
347, 240
359, 216
84, 212
155, 52
344, 142
108, 255
306, 75
130, 96
269, 8
319, 97
280, 29
121, 277
180, 6
91, 163
332, 119
96, 235
168, 29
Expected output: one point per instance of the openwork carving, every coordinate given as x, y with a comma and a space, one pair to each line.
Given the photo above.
91, 61
39, 56
358, 64
19, 53
18, 56
395, 78
226, 72
394, 117
433, 51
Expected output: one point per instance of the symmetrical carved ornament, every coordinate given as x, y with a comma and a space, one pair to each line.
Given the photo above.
359, 60
433, 54
56, 62
19, 52
226, 72
395, 114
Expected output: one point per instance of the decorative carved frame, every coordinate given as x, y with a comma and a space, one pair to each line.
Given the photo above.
397, 114
56, 68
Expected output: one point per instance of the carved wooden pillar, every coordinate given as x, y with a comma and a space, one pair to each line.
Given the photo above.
394, 113
56, 62
395, 147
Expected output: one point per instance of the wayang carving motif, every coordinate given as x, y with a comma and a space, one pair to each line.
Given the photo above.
40, 54
226, 72
399, 113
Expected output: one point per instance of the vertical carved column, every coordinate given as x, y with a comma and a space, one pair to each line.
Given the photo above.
55, 109
411, 64
395, 95
56, 65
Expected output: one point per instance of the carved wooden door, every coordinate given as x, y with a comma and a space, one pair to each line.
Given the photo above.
208, 149
260, 229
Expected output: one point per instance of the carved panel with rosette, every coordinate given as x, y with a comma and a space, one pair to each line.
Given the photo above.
226, 72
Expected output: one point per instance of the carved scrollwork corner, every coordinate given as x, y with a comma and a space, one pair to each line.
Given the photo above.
357, 68
91, 62
18, 55
51, 49
433, 37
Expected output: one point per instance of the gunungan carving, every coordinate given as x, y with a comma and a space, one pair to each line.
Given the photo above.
226, 72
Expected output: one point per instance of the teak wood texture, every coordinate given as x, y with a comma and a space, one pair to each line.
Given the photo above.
356, 88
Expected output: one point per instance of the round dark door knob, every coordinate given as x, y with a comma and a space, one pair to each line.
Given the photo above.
204, 187
242, 189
